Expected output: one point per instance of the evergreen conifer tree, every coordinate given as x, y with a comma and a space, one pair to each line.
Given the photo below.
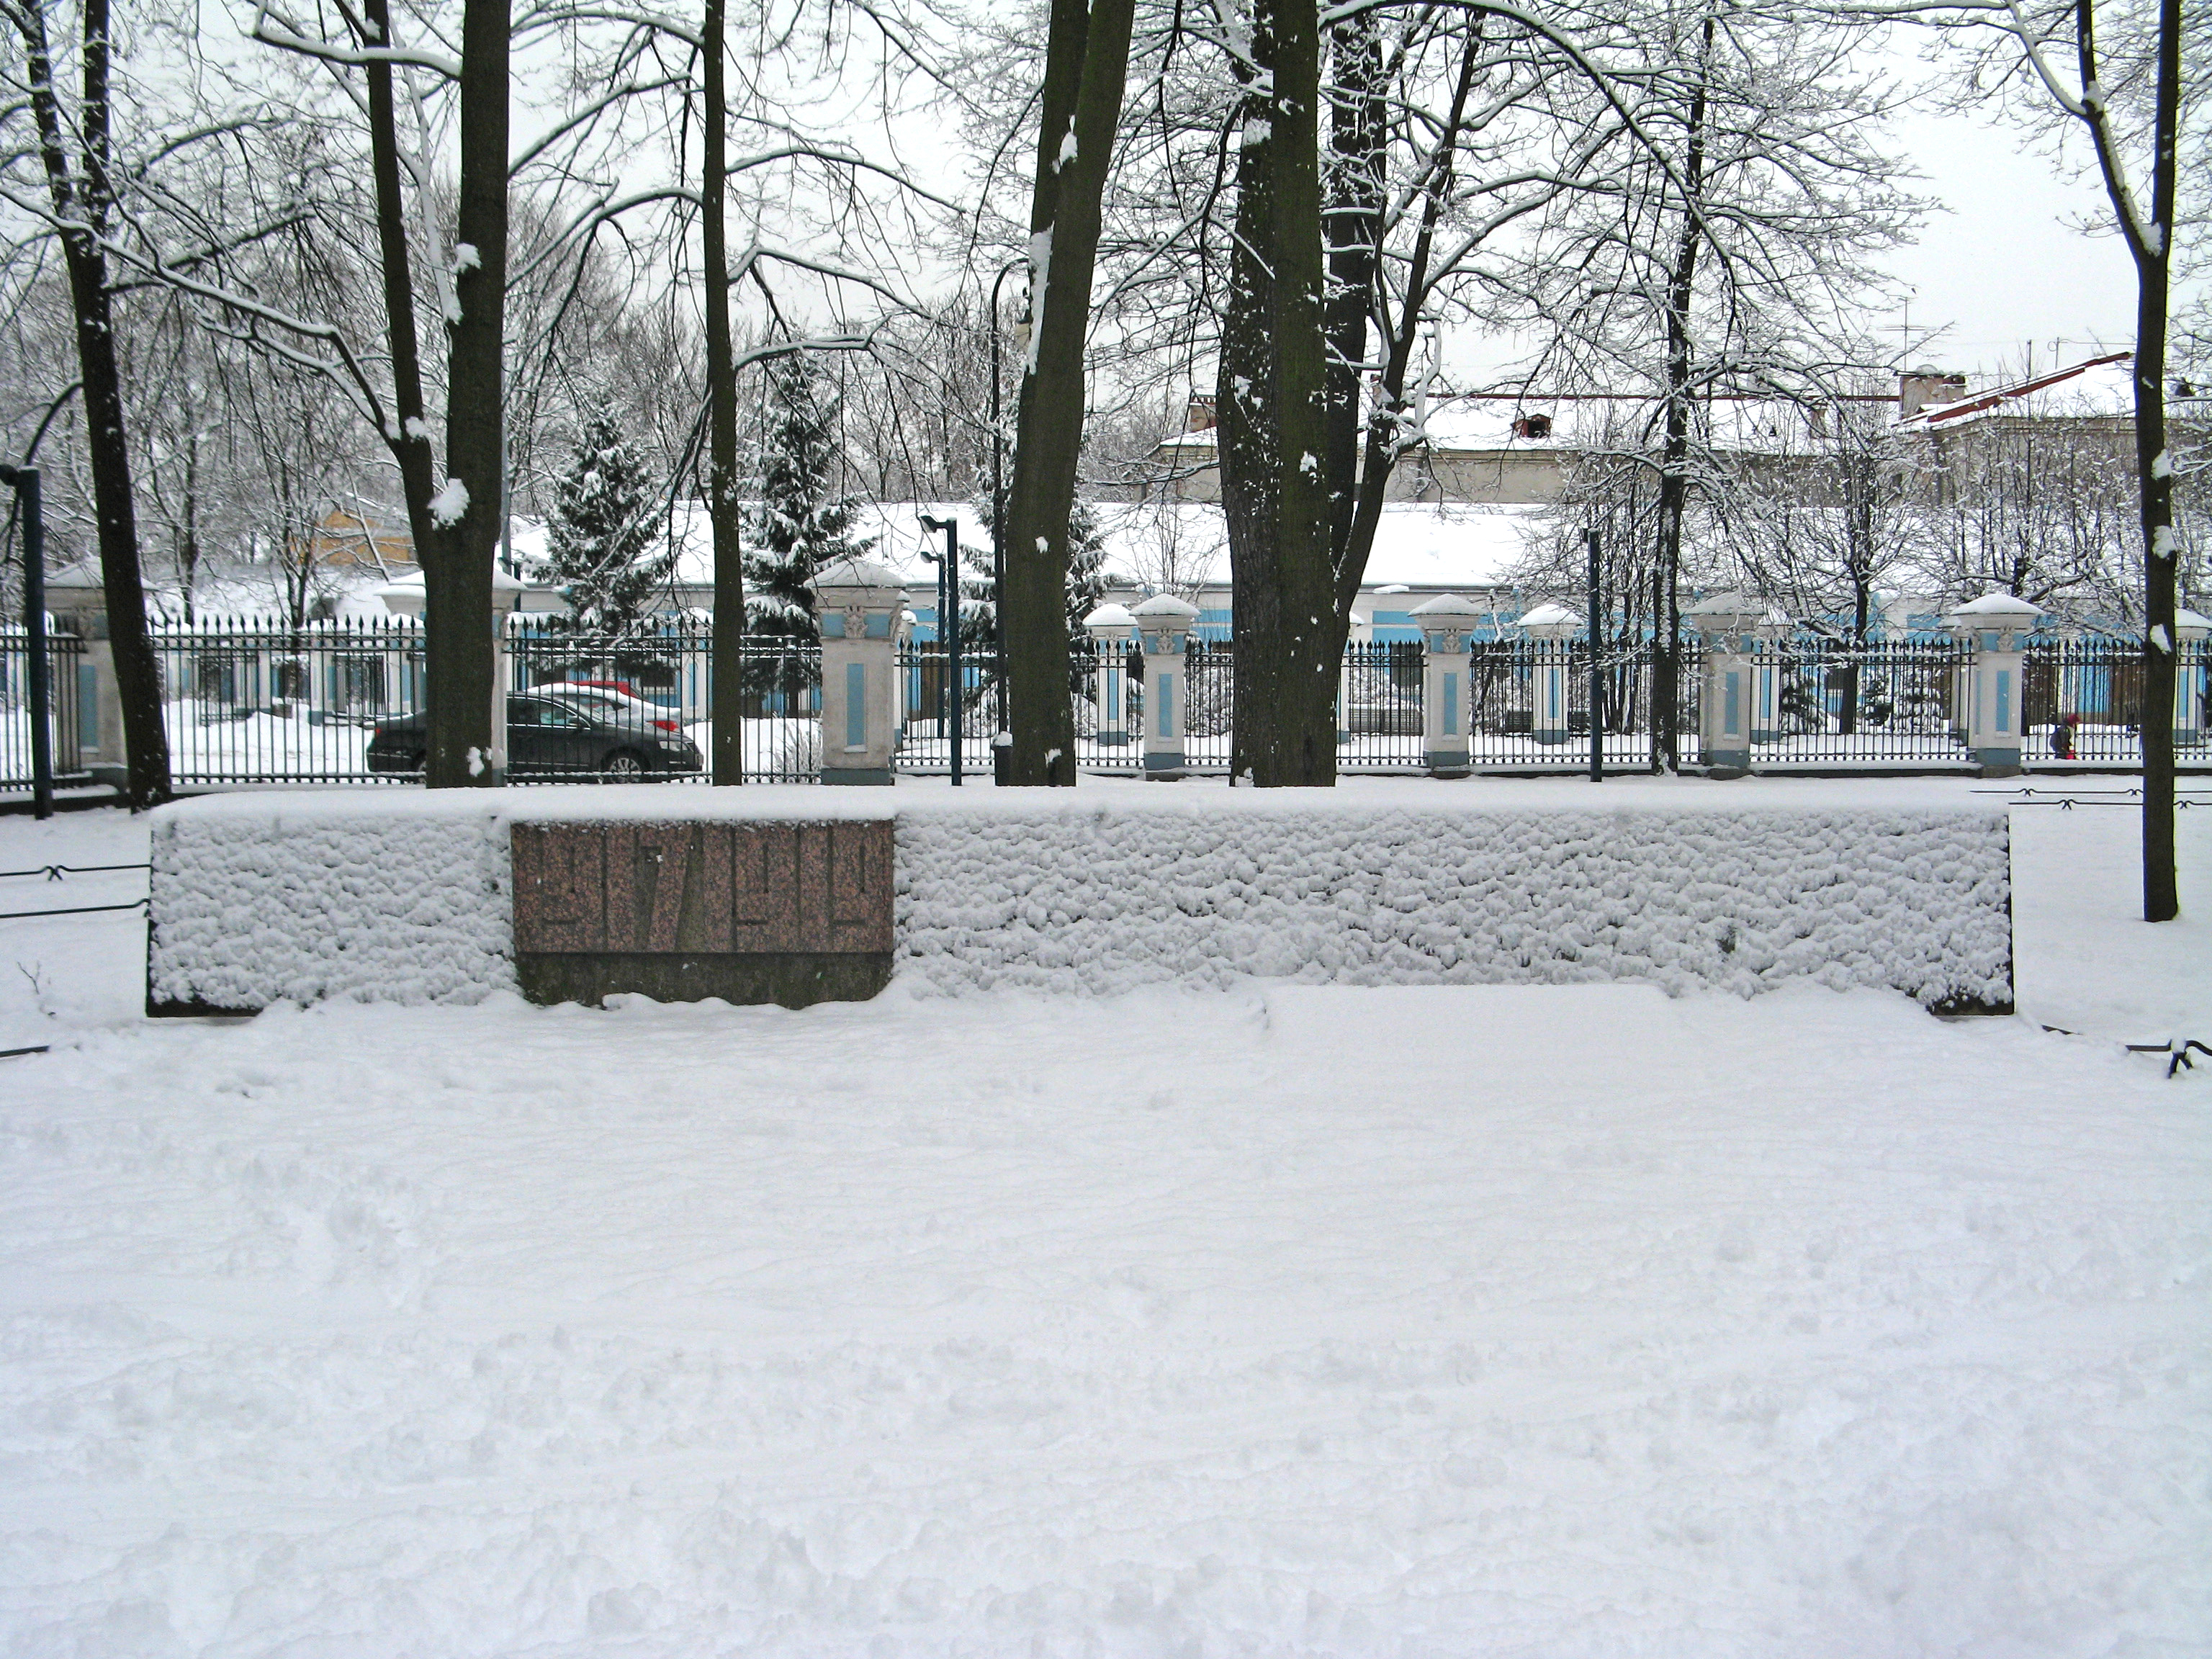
798, 523
599, 538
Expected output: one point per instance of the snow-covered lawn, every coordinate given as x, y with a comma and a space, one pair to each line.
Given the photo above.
1448, 1321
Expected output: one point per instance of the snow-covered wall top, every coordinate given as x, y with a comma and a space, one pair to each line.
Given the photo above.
403, 896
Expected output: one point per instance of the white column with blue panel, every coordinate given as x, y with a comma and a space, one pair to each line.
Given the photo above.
2189, 631
1550, 629
1163, 624
1447, 713
1111, 627
1995, 627
859, 603
1727, 625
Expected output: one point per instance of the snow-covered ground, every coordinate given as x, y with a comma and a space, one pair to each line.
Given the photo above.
1541, 1321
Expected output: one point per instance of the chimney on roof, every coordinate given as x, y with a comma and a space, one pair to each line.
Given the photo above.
1927, 388
1198, 416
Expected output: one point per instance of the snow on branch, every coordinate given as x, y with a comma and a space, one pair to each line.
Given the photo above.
272, 28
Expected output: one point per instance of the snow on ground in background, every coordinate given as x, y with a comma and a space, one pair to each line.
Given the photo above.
2086, 960
62, 975
1180, 1322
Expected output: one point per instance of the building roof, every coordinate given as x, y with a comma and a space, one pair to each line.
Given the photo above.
2098, 387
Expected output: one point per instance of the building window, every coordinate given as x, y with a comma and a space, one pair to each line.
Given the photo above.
1531, 426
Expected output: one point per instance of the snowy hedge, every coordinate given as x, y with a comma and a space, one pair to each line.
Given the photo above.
1917, 900
406, 898
265, 898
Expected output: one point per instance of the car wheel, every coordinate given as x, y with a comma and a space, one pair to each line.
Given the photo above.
624, 767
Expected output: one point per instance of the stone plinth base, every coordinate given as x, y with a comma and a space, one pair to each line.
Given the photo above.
795, 978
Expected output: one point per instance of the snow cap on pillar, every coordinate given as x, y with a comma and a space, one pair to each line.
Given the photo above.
1551, 622
77, 591
1165, 619
1727, 615
876, 592
2004, 615
1446, 621
1111, 624
2190, 626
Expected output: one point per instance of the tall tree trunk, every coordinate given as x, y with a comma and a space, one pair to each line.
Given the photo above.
1246, 443
1273, 403
85, 208
465, 747
1674, 452
726, 670
1353, 219
1301, 746
1075, 143
409, 438
1401, 336
2152, 247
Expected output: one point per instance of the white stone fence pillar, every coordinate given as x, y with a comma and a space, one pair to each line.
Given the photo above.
1446, 744
1111, 627
1727, 627
1996, 627
1164, 625
1359, 636
858, 603
2191, 630
1551, 627
79, 603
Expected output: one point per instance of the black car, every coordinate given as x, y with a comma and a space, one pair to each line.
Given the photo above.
547, 738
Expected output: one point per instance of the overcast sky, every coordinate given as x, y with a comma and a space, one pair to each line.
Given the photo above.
2005, 266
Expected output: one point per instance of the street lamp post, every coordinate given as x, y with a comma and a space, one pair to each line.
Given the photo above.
948, 625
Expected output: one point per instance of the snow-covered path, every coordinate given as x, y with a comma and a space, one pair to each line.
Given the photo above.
1281, 1321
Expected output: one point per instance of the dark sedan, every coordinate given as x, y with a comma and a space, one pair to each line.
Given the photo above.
547, 738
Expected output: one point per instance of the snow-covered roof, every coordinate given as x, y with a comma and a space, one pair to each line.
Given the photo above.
1538, 423
2099, 388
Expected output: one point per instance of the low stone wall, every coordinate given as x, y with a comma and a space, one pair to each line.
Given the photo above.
411, 897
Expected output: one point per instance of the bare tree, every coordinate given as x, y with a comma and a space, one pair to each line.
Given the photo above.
73, 147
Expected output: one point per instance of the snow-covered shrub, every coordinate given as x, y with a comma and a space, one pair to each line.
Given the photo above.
261, 899
1106, 900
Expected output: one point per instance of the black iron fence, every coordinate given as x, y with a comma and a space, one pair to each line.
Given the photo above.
246, 703
72, 706
1831, 704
